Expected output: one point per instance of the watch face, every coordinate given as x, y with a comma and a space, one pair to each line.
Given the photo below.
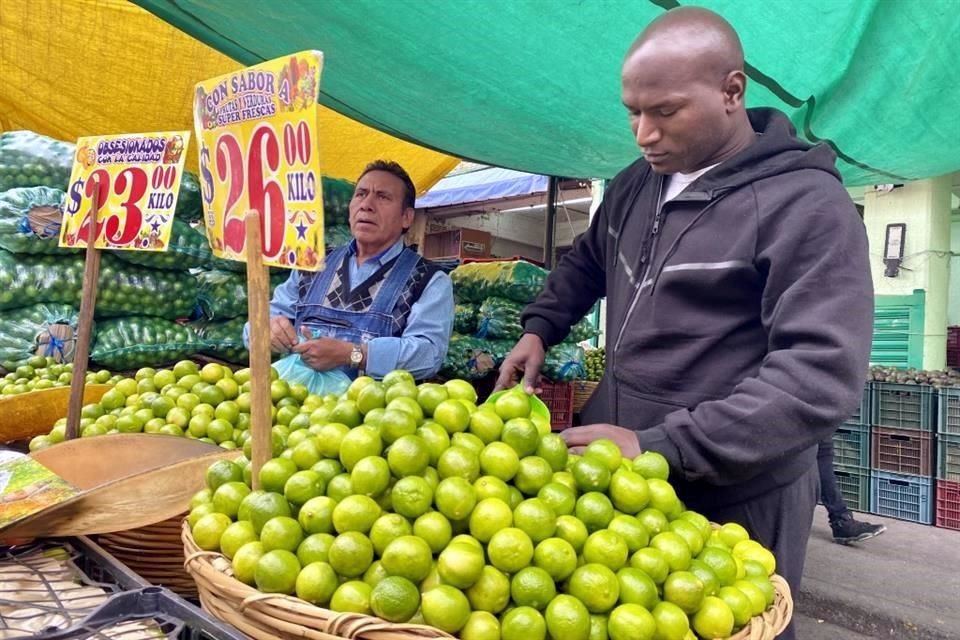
356, 356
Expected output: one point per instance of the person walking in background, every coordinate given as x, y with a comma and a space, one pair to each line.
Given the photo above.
846, 529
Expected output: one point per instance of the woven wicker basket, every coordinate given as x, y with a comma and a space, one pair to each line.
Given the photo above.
268, 617
155, 552
582, 390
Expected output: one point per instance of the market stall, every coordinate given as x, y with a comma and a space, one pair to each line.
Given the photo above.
391, 510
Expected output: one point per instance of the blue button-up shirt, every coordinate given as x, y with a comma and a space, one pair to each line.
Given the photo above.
423, 345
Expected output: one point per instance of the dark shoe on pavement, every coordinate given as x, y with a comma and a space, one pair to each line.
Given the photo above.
846, 530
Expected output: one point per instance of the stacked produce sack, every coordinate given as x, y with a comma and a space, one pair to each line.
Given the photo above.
490, 298
144, 298
140, 295
410, 503
336, 211
596, 364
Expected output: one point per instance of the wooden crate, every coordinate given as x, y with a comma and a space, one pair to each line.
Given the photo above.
457, 243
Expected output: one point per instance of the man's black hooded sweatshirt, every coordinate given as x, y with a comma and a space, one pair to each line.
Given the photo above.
739, 314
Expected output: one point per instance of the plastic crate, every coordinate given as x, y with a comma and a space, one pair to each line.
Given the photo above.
948, 458
861, 415
558, 396
151, 612
948, 414
902, 451
851, 445
127, 608
902, 406
898, 495
854, 484
948, 504
953, 357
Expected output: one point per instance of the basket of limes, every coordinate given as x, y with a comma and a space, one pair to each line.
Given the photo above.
430, 517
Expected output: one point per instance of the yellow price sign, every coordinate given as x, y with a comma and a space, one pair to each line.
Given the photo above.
258, 131
139, 180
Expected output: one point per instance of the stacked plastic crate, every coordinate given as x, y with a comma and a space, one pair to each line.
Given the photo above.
851, 456
953, 347
948, 460
902, 438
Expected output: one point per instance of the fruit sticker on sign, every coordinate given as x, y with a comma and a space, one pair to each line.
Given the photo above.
139, 179
258, 131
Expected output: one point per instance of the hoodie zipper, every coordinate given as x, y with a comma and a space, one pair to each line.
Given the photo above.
646, 257
650, 254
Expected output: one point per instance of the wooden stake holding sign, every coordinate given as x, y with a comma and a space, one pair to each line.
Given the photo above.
88, 300
258, 305
257, 132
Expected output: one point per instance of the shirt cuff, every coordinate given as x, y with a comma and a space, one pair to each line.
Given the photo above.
656, 439
541, 328
382, 356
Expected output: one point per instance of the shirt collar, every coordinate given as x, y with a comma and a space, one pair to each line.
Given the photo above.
387, 254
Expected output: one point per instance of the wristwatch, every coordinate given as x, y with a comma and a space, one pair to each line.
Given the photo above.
356, 357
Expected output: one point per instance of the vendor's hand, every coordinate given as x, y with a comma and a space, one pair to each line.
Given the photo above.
323, 354
282, 336
526, 358
578, 438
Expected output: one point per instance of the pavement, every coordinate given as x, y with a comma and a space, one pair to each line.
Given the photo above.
904, 584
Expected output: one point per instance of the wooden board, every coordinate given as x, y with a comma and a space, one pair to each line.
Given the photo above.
128, 481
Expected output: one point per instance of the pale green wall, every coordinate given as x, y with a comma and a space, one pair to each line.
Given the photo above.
925, 208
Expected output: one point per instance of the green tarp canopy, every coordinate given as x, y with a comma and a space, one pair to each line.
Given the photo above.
534, 84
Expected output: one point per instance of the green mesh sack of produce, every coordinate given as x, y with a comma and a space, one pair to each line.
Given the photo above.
30, 220
222, 295
122, 289
188, 249
499, 318
337, 235
472, 358
465, 318
565, 362
189, 203
595, 362
515, 280
125, 289
224, 340
27, 279
141, 341
336, 202
583, 330
28, 159
42, 329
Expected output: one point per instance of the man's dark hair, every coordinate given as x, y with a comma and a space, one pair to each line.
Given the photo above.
409, 198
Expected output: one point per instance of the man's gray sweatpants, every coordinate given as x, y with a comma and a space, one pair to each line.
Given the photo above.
780, 520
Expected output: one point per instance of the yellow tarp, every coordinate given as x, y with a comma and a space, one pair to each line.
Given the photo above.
84, 67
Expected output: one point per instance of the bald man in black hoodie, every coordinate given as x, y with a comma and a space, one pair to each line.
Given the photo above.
739, 295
